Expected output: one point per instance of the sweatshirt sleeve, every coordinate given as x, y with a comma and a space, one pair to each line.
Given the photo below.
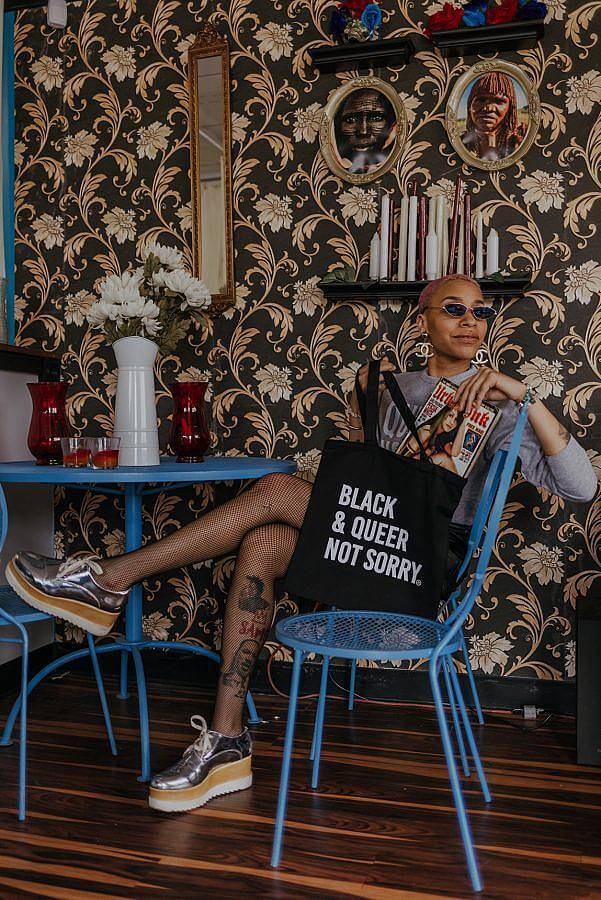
569, 474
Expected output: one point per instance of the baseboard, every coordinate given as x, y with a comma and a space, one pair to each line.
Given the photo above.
414, 687
374, 684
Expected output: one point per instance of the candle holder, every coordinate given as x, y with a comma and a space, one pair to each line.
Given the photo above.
49, 421
189, 437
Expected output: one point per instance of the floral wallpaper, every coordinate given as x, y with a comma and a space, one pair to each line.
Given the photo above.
102, 154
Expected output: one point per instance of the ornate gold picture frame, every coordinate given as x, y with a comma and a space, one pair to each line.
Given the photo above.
211, 167
363, 130
493, 115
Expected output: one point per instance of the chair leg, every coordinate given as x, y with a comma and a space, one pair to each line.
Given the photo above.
464, 826
143, 707
455, 717
472, 681
102, 695
285, 776
23, 727
318, 730
470, 736
323, 689
351, 687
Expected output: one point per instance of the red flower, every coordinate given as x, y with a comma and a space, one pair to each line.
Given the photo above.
355, 7
505, 11
449, 17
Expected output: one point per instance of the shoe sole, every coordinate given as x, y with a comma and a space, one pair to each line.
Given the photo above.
97, 621
225, 779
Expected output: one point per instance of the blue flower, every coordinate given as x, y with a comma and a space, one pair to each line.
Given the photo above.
338, 22
371, 18
533, 9
474, 14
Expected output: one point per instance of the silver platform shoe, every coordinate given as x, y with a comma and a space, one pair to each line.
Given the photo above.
66, 589
213, 765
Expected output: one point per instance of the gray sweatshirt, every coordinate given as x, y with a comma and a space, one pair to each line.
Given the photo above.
568, 473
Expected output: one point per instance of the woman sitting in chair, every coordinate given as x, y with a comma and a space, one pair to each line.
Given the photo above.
262, 524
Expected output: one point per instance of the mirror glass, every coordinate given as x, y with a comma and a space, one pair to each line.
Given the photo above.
212, 173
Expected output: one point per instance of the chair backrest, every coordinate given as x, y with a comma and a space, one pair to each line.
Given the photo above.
486, 524
3, 518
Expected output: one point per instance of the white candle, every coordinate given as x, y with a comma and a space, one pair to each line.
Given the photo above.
374, 257
492, 252
443, 235
412, 239
431, 254
460, 246
431, 216
404, 222
384, 228
479, 247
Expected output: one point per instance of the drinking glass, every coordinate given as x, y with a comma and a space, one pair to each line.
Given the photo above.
76, 452
105, 452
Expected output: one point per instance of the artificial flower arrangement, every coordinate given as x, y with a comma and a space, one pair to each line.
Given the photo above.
158, 300
484, 12
355, 20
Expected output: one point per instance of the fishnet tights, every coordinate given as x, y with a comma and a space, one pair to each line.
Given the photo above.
263, 522
264, 556
274, 498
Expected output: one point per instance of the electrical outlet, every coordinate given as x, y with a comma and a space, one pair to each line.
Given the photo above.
530, 712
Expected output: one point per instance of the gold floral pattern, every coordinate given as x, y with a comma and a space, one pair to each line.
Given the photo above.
102, 154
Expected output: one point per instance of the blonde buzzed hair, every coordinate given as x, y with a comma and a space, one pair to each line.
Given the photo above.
429, 290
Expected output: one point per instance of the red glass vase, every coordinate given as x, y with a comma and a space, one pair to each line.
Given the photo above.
49, 421
189, 436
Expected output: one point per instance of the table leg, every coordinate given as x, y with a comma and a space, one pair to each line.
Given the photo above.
133, 541
123, 695
143, 707
133, 618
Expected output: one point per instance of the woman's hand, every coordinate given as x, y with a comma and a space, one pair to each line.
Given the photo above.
487, 384
385, 366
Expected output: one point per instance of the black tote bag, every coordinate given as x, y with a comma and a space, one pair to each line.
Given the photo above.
376, 532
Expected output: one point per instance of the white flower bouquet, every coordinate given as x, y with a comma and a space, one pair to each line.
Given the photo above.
158, 300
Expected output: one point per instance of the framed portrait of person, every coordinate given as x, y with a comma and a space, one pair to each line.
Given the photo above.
493, 115
363, 129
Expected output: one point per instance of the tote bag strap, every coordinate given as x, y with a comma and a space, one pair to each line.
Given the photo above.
405, 411
370, 417
369, 405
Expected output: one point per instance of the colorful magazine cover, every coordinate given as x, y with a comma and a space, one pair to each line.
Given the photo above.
450, 438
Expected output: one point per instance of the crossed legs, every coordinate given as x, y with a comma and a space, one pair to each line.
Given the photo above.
263, 523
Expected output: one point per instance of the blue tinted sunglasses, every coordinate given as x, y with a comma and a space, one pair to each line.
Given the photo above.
458, 310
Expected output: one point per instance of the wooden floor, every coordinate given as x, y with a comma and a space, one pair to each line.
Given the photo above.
381, 825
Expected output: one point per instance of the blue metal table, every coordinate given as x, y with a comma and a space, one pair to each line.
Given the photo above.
135, 483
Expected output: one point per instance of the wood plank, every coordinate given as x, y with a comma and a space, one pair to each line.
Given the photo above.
382, 824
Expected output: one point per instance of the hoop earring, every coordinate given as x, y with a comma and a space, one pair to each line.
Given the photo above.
424, 349
481, 357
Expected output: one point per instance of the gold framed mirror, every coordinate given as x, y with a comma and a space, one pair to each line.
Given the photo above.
211, 167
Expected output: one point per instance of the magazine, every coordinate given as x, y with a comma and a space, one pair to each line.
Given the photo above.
451, 439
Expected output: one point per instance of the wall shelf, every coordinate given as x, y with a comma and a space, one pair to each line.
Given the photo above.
366, 55
489, 38
47, 366
374, 291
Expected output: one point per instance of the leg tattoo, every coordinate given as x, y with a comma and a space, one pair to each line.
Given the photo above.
251, 599
238, 675
264, 556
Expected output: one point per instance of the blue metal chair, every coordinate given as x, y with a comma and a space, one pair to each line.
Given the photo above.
17, 614
474, 542
391, 636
